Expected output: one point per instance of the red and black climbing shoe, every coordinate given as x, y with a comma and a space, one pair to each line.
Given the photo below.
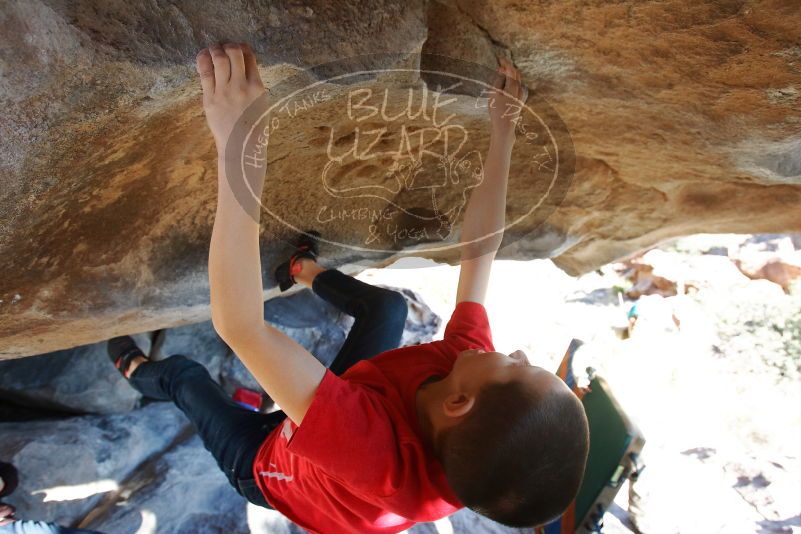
122, 351
306, 246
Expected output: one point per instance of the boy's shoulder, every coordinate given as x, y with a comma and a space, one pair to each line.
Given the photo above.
402, 367
422, 353
467, 328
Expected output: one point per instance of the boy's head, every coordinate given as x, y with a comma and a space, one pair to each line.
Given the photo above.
512, 438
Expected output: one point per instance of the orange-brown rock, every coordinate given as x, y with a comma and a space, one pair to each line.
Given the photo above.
783, 270
685, 117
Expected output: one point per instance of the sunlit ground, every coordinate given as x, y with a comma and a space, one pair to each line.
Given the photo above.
76, 491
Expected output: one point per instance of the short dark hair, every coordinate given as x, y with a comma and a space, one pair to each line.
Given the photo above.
519, 455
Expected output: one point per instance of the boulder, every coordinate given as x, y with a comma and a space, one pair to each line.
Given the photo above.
67, 466
658, 272
772, 257
78, 380
781, 271
649, 279
183, 491
82, 380
684, 118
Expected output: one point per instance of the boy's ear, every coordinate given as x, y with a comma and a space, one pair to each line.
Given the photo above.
457, 404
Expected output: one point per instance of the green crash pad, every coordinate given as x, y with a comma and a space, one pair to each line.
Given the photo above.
615, 443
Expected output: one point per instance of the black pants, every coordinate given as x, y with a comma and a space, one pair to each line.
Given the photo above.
233, 434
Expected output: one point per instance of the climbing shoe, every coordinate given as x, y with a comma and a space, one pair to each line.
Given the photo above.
306, 246
122, 350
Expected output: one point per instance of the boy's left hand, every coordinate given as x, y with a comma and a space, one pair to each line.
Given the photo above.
506, 101
231, 82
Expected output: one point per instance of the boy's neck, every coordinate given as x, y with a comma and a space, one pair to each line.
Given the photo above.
425, 398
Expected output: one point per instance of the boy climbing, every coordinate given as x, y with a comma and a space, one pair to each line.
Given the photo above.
386, 436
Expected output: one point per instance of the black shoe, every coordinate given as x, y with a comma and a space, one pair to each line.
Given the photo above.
122, 350
306, 246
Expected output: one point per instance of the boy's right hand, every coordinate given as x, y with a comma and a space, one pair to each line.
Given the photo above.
230, 80
506, 101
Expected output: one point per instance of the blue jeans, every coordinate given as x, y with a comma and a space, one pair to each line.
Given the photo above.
40, 527
233, 434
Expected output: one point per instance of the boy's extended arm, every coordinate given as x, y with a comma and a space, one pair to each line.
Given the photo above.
485, 216
286, 370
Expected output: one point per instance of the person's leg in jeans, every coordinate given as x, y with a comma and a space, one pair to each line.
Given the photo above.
40, 527
231, 433
379, 313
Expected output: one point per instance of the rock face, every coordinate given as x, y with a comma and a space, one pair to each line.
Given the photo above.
83, 381
188, 469
774, 258
78, 380
67, 466
683, 117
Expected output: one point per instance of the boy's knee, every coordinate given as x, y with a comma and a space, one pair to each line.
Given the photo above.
393, 306
180, 365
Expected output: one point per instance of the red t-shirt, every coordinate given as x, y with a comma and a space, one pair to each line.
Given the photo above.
358, 463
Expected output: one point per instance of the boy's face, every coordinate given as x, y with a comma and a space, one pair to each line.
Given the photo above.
474, 368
